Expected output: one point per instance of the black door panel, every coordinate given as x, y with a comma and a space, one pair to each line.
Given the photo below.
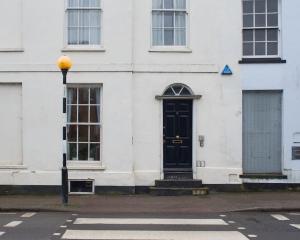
177, 123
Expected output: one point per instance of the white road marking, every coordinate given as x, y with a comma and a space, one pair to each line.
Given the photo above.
63, 226
56, 234
1, 233
74, 214
295, 225
28, 215
241, 228
153, 235
13, 224
252, 236
150, 221
222, 215
280, 217
231, 221
69, 220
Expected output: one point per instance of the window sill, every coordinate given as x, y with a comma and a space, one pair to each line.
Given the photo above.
83, 49
85, 165
171, 49
261, 60
8, 167
17, 50
263, 176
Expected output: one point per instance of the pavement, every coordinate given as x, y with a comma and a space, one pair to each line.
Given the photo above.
147, 204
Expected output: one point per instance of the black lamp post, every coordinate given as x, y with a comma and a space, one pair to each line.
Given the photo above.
64, 63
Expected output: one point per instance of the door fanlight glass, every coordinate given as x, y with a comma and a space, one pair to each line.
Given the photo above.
177, 90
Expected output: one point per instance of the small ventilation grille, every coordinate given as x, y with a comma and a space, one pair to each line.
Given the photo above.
296, 153
81, 186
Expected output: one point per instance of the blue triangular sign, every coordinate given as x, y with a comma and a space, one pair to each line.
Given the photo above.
226, 70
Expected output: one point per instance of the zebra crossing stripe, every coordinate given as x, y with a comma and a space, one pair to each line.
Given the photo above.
152, 235
28, 215
13, 224
1, 233
295, 225
280, 217
149, 221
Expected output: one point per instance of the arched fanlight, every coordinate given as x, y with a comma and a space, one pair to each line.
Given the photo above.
177, 90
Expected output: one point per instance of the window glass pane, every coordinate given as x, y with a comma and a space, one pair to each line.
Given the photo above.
72, 35
73, 18
83, 132
72, 96
180, 37
95, 95
260, 6
95, 152
248, 6
84, 3
185, 91
273, 19
180, 19
168, 4
157, 35
94, 18
157, 20
260, 20
169, 19
248, 49
260, 35
177, 89
83, 95
83, 151
273, 48
260, 48
157, 4
84, 35
72, 133
272, 35
169, 92
84, 20
272, 5
248, 20
95, 35
72, 151
73, 3
72, 114
180, 4
94, 133
94, 114
169, 37
95, 3
83, 114
247, 35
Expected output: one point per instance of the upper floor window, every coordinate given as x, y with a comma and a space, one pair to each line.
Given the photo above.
169, 18
84, 22
260, 28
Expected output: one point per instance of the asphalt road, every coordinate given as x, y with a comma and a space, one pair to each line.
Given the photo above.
207, 226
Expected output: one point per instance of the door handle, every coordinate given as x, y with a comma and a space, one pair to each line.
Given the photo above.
177, 141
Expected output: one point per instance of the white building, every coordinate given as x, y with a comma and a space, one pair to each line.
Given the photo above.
146, 98
270, 76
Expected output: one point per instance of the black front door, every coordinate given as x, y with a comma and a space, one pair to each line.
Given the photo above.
177, 131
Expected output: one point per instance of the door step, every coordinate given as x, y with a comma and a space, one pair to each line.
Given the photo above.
182, 183
167, 191
178, 175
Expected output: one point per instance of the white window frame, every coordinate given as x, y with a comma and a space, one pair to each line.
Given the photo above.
279, 27
171, 48
91, 163
82, 47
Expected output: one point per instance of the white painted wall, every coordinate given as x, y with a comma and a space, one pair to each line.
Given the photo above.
130, 76
284, 77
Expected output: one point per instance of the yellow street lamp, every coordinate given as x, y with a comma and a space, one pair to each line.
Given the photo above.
64, 63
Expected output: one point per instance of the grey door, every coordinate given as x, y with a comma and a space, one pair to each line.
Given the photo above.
262, 114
